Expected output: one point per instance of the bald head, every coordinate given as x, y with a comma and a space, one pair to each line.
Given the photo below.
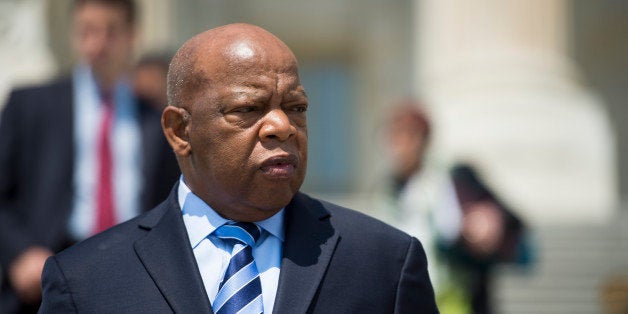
209, 56
237, 121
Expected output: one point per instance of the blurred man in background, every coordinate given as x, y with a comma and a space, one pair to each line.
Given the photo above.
77, 155
466, 229
150, 79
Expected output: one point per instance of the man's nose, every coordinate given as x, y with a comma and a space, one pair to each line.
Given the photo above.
96, 44
277, 126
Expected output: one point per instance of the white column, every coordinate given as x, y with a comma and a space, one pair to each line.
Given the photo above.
24, 54
156, 25
506, 97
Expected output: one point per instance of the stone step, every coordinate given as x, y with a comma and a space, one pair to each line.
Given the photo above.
572, 263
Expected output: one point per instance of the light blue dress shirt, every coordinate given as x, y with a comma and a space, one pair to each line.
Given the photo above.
213, 254
126, 148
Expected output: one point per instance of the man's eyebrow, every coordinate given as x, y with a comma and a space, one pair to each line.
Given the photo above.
248, 93
298, 92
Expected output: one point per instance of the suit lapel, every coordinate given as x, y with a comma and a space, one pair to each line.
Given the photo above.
168, 258
308, 248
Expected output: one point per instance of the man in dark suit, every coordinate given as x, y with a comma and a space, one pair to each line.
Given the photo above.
236, 233
59, 161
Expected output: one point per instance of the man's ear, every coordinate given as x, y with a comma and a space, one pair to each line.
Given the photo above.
175, 123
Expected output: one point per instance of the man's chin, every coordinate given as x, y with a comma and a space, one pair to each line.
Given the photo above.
274, 201
104, 70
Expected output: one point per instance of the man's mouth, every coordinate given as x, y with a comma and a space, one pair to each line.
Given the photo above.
279, 167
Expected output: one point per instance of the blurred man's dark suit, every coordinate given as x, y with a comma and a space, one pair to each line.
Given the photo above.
334, 261
37, 168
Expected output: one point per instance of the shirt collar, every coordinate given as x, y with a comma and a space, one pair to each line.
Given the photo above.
201, 220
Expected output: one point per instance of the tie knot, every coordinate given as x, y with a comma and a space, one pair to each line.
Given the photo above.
244, 232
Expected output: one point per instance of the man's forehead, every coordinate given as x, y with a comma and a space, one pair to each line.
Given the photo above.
253, 90
247, 65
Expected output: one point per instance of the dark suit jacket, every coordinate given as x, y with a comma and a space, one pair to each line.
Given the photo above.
335, 260
37, 167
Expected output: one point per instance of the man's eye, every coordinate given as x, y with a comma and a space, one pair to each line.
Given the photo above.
246, 109
300, 108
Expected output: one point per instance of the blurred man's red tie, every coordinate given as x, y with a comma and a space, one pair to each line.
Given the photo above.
105, 210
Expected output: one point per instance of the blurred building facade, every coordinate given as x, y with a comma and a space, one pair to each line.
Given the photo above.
508, 97
509, 85
25, 57
531, 92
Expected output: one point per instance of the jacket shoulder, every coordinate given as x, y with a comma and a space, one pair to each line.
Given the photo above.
32, 99
114, 243
57, 85
355, 223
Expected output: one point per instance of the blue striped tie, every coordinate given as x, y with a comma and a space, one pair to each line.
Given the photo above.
240, 290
